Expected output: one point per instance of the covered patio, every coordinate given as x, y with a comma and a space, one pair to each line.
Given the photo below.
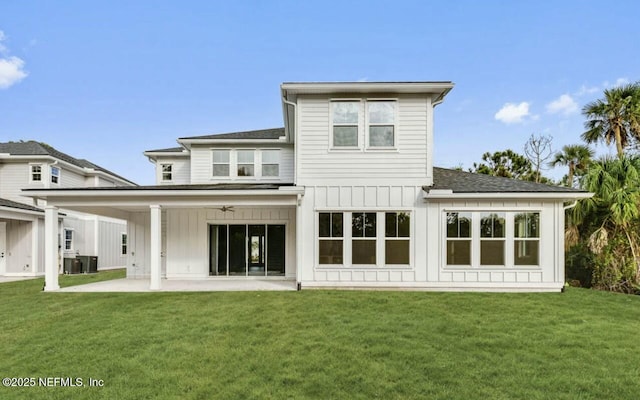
202, 285
167, 234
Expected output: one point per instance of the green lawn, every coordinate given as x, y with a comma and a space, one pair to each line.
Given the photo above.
320, 344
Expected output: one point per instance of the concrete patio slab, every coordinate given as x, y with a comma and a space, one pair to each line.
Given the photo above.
4, 279
204, 285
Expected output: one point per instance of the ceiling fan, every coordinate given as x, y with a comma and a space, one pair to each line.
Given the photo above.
226, 208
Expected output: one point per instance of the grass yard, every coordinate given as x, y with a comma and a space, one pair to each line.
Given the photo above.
320, 344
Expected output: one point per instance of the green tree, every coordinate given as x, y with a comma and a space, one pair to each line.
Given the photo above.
615, 118
576, 157
507, 163
609, 222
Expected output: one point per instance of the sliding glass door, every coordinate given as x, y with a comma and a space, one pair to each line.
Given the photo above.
247, 250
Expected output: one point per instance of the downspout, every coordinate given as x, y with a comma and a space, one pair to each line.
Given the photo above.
575, 203
565, 208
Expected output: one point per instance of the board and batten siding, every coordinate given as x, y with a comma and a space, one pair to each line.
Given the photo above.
181, 171
109, 244
19, 247
361, 199
318, 162
185, 239
550, 272
202, 163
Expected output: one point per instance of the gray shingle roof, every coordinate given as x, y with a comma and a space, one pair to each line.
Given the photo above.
33, 148
20, 206
467, 182
169, 150
273, 133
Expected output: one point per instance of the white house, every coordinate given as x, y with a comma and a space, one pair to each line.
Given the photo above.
345, 195
37, 165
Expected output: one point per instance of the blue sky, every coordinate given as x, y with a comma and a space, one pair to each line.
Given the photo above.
106, 80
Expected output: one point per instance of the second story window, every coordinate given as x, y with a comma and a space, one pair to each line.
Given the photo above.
221, 163
345, 117
167, 172
271, 163
245, 163
55, 175
381, 120
36, 173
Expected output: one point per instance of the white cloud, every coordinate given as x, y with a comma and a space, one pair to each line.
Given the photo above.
512, 113
563, 105
11, 68
11, 71
584, 89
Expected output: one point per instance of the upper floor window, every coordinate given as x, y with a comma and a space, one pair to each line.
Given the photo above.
36, 173
381, 119
221, 163
271, 163
167, 172
345, 118
55, 175
245, 163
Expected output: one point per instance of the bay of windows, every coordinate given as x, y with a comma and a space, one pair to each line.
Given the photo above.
377, 123
363, 242
246, 163
501, 239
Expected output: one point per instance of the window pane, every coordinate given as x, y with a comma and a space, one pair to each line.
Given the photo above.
245, 169
390, 228
345, 135
370, 225
245, 156
492, 225
526, 252
381, 112
526, 225
357, 224
270, 170
221, 156
221, 170
330, 252
345, 112
492, 252
270, 156
380, 136
237, 249
404, 225
464, 221
324, 225
364, 252
458, 252
336, 224
452, 225
396, 252
166, 167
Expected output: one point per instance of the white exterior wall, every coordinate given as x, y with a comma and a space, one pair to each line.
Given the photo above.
68, 178
109, 245
13, 178
319, 164
19, 245
362, 199
186, 239
202, 163
181, 171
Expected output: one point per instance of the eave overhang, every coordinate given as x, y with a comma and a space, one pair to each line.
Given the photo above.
442, 195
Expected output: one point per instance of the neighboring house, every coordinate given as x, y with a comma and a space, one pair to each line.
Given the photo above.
34, 165
345, 195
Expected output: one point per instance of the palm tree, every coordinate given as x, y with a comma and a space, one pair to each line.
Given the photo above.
576, 156
616, 118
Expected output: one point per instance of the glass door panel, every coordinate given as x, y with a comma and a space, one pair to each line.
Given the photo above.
237, 250
256, 250
275, 250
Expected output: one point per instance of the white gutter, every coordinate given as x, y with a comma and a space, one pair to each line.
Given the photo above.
567, 207
448, 195
295, 128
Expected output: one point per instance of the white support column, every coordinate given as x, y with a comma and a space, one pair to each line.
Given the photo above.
299, 241
51, 248
156, 247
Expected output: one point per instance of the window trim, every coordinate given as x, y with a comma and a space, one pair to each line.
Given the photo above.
341, 238
124, 243
237, 164
163, 172
31, 173
359, 138
368, 124
397, 237
278, 152
58, 176
70, 241
228, 163
509, 239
